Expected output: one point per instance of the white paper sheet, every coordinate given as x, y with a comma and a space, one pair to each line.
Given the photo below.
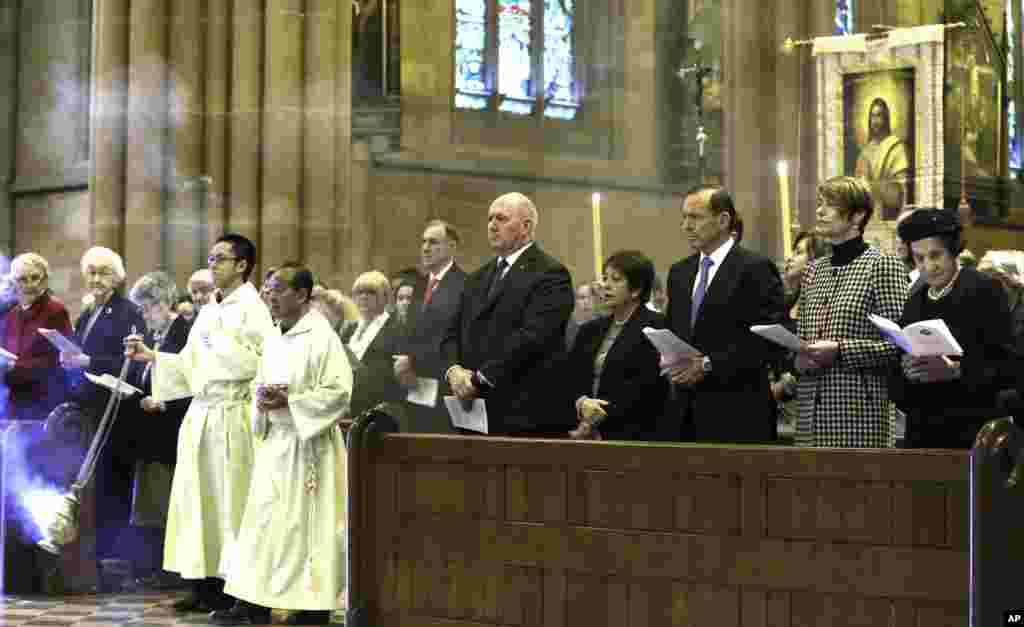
473, 420
110, 382
669, 345
927, 338
778, 334
425, 392
60, 342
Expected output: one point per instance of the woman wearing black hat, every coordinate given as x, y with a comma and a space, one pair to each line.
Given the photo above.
948, 398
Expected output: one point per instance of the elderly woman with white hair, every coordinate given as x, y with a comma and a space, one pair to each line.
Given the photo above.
374, 341
100, 331
33, 378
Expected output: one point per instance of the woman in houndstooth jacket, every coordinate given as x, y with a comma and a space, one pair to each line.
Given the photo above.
843, 393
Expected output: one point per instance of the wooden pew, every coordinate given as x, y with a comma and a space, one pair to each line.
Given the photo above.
450, 530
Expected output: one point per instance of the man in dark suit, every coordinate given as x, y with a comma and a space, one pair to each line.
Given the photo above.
722, 394
422, 357
508, 332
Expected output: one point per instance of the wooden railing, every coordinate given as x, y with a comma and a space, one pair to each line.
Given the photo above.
451, 530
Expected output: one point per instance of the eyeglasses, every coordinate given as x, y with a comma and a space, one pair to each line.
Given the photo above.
26, 279
216, 259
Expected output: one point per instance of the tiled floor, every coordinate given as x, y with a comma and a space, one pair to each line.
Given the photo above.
137, 610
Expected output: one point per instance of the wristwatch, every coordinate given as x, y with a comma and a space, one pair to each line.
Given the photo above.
706, 364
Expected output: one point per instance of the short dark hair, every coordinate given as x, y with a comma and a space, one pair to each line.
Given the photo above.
301, 277
850, 195
637, 268
243, 248
816, 247
270, 272
449, 231
720, 201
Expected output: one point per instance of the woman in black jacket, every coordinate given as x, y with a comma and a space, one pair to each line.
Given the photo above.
616, 379
947, 398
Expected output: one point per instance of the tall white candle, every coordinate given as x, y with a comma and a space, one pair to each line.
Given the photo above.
787, 222
595, 204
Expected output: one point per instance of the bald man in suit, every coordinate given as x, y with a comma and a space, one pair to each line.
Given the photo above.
507, 335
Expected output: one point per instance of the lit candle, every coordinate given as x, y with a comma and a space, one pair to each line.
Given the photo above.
787, 228
595, 203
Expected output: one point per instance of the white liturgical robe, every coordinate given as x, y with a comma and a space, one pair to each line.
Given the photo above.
215, 443
291, 547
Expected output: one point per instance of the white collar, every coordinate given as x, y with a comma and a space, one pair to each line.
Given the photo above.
444, 270
718, 255
514, 257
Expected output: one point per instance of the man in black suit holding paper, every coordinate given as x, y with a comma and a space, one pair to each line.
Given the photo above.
715, 295
422, 350
507, 336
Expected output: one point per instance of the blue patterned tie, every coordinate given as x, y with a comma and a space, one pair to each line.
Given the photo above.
702, 287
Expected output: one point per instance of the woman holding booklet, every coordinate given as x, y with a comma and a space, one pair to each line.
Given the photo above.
948, 397
844, 362
617, 387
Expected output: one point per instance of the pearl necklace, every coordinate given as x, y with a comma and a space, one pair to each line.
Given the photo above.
932, 294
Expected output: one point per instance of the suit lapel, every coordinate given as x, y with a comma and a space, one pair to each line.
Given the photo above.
686, 290
722, 285
483, 283
622, 343
519, 270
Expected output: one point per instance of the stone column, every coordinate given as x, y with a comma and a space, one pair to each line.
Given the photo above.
8, 119
352, 240
109, 107
218, 55
246, 119
185, 228
749, 92
319, 141
795, 74
282, 132
147, 131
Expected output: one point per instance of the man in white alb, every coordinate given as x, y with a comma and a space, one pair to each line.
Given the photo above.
292, 536
215, 443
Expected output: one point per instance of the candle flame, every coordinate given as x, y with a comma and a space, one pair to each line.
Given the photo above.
783, 168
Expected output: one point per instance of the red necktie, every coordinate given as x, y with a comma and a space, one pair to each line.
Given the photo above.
430, 289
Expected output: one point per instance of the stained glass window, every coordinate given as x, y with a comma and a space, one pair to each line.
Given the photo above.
559, 61
471, 80
1013, 136
844, 18
522, 51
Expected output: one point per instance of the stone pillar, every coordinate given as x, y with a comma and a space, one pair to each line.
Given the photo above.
749, 98
282, 132
246, 120
320, 152
147, 130
359, 251
187, 103
109, 106
8, 120
795, 75
349, 241
218, 55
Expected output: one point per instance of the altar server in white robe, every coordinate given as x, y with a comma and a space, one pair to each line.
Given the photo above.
215, 443
292, 542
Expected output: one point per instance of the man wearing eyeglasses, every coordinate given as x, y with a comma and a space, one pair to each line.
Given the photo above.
215, 443
31, 371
